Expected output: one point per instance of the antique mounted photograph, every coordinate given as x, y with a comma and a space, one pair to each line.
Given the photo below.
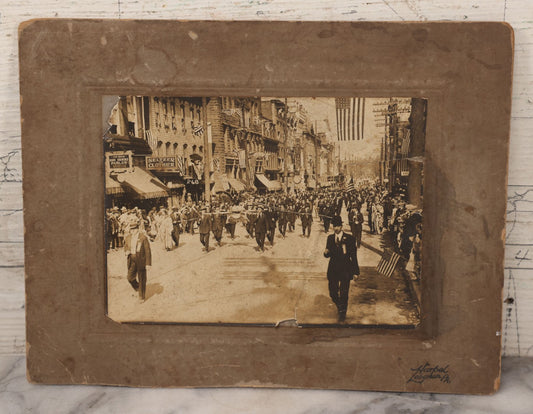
264, 210
241, 216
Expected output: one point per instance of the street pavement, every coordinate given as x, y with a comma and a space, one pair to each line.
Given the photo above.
236, 283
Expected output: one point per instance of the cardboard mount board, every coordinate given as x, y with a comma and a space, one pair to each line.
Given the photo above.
464, 70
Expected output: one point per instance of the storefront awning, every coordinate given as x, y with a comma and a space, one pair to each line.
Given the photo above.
144, 184
271, 185
112, 187
236, 184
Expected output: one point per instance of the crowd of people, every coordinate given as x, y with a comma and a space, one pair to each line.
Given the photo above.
261, 215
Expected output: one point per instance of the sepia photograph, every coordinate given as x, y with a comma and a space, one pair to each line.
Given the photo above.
266, 211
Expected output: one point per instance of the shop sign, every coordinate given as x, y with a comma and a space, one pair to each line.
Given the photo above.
161, 163
118, 161
192, 181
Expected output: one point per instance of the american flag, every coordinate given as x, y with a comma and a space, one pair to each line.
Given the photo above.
350, 186
152, 142
198, 130
388, 262
403, 165
180, 165
350, 118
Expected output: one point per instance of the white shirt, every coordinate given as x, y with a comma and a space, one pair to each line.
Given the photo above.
134, 239
338, 237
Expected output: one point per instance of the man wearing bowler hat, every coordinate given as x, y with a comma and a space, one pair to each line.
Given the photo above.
139, 257
343, 266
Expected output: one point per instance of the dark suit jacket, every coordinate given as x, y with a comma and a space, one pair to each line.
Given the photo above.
206, 223
143, 257
261, 224
342, 258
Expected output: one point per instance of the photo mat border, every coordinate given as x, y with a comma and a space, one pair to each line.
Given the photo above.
61, 351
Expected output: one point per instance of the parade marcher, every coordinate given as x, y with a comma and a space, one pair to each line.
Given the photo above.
272, 217
176, 226
307, 218
342, 267
355, 218
232, 220
282, 221
251, 217
218, 225
291, 216
139, 258
261, 227
204, 228
193, 216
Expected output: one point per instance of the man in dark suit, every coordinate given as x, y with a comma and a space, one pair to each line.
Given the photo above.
343, 266
355, 218
261, 227
272, 218
307, 219
139, 257
204, 227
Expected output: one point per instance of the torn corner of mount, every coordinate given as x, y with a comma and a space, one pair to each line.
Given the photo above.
292, 323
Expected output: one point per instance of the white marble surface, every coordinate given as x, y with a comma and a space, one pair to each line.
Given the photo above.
18, 396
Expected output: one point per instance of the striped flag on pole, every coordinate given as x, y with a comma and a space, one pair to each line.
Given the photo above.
388, 263
350, 186
350, 118
181, 166
198, 130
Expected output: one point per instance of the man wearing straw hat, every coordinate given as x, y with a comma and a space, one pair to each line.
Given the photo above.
139, 257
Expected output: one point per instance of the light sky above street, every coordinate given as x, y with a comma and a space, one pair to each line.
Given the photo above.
323, 111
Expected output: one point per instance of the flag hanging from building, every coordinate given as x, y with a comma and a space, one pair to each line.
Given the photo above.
350, 118
242, 158
181, 166
216, 164
198, 130
403, 164
387, 264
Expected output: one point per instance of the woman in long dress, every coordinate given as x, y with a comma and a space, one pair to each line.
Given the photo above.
165, 228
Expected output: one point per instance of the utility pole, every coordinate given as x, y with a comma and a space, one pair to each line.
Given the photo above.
207, 154
285, 158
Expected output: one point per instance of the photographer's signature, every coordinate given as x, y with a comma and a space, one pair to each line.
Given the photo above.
430, 372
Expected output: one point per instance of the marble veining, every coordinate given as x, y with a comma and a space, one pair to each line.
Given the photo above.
18, 396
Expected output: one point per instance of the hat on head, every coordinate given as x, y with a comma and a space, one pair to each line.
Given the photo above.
336, 221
